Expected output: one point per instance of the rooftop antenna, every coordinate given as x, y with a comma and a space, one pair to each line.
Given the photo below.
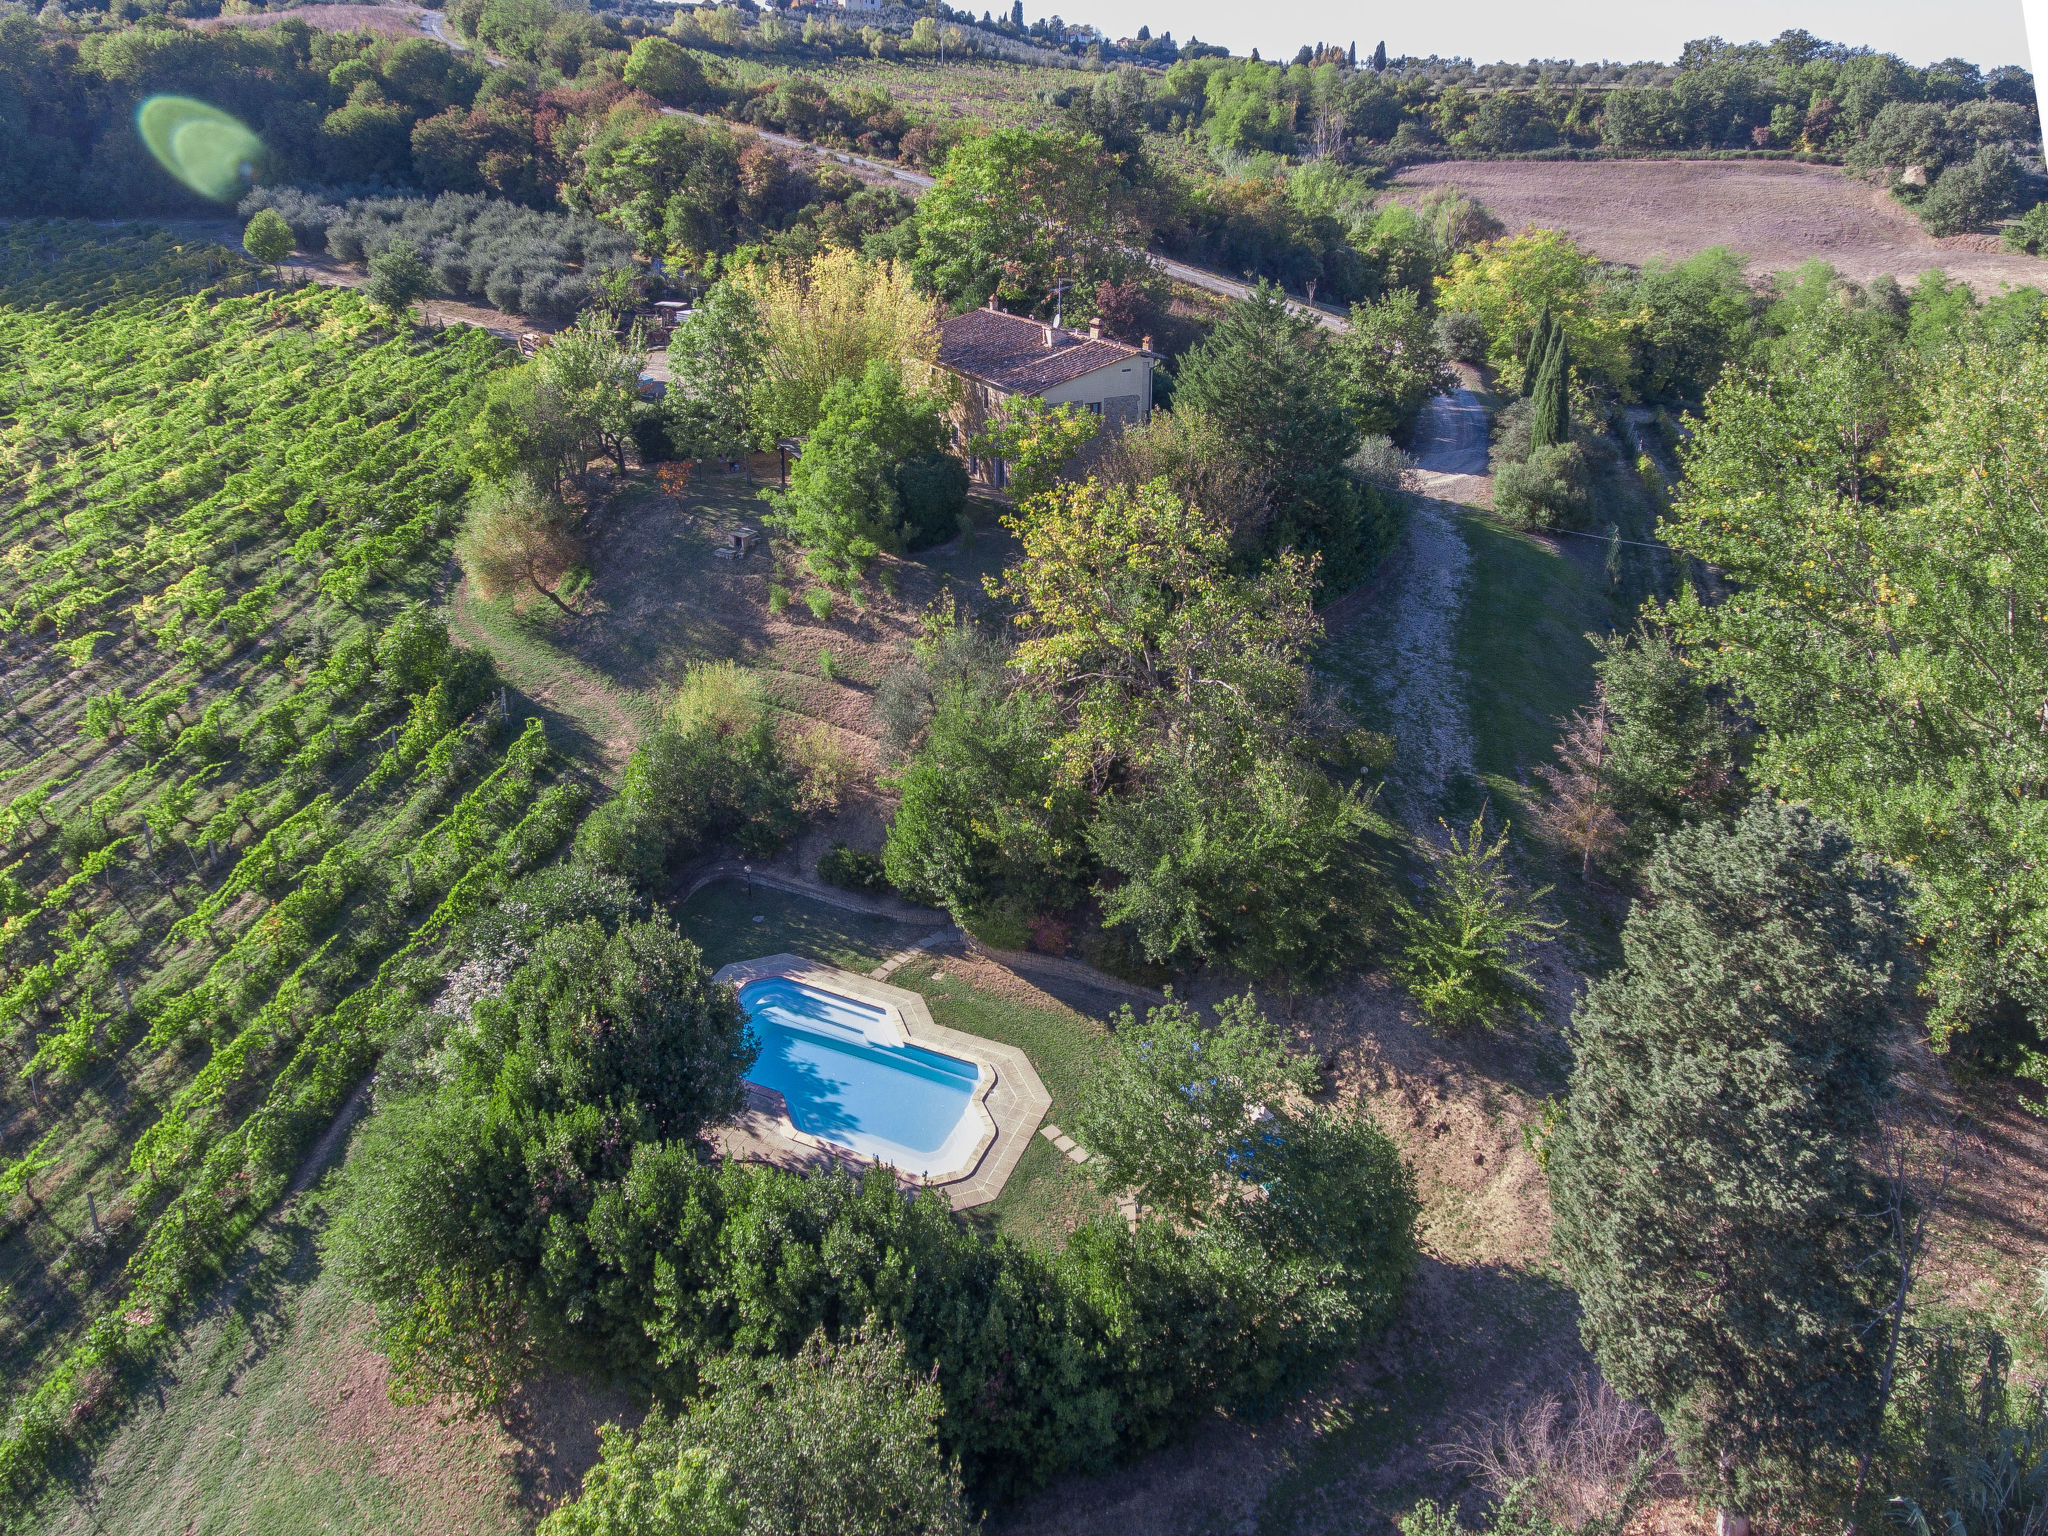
1059, 290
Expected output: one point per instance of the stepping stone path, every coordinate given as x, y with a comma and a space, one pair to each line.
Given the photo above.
903, 957
1126, 1204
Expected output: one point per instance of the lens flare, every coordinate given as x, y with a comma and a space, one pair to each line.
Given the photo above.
209, 151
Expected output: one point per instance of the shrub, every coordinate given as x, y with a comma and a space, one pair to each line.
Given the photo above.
1465, 953
1463, 335
778, 598
1380, 461
711, 771
825, 770
650, 434
933, 490
720, 697
853, 869
1002, 923
516, 533
828, 667
1546, 490
2029, 236
819, 601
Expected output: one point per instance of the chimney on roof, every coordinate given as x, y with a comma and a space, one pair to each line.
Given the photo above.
993, 306
1048, 335
1144, 343
1095, 329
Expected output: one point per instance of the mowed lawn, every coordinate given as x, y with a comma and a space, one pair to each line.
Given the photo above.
272, 1416
1523, 648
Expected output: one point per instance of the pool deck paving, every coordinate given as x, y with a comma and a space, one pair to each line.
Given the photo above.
1015, 1103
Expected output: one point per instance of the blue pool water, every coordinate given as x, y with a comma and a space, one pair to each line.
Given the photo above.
847, 1081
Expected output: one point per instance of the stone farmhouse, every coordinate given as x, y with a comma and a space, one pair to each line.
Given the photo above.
998, 356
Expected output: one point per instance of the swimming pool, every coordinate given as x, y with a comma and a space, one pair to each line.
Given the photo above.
849, 1078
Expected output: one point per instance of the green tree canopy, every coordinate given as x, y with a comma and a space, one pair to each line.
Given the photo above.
1210, 1124
1880, 529
1275, 386
714, 367
1393, 365
268, 238
664, 71
1016, 211
1712, 1209
840, 1440
602, 1041
843, 504
1163, 690
398, 278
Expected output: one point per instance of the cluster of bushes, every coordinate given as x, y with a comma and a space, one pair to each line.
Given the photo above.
1795, 93
528, 1192
712, 772
543, 265
1954, 164
1145, 759
697, 190
1541, 467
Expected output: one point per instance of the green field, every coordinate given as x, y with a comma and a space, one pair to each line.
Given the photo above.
1523, 647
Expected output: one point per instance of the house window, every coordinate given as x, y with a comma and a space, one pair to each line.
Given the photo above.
1094, 407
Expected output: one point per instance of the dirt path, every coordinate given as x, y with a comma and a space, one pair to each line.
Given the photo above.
1413, 652
1451, 445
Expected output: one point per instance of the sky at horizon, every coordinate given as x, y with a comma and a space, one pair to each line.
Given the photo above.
1987, 32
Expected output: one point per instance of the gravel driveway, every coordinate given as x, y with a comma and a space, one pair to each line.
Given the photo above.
1418, 644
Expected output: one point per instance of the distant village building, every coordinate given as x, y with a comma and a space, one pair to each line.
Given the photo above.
998, 356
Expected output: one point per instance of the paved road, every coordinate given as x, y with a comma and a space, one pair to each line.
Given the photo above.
1231, 288
885, 167
1180, 271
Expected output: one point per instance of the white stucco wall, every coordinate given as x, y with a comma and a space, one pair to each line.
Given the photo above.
1117, 381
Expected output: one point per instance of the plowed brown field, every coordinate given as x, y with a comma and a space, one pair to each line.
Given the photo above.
1777, 213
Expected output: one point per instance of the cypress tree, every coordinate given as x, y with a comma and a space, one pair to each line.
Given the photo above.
1711, 1208
1351, 56
1551, 422
1538, 353
1379, 58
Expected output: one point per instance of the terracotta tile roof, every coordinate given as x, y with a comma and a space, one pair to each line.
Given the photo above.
1009, 351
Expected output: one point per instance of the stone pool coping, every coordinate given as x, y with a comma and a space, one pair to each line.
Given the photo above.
1012, 1100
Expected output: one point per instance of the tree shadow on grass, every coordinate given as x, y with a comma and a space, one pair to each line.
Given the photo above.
1355, 1450
566, 735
